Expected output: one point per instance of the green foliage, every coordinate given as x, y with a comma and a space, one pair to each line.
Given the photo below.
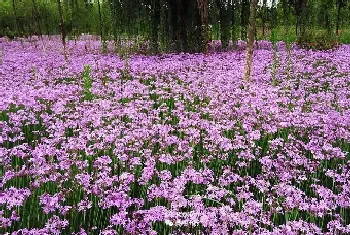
78, 16
345, 36
318, 41
177, 25
87, 83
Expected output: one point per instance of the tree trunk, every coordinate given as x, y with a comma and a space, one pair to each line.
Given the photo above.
225, 23
233, 23
338, 17
303, 24
285, 18
37, 18
16, 17
274, 16
155, 26
61, 26
176, 20
244, 16
263, 17
47, 20
203, 7
163, 31
101, 23
250, 45
72, 20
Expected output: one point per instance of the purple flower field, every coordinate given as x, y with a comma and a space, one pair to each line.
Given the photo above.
173, 144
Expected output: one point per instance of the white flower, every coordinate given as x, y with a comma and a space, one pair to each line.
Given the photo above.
168, 222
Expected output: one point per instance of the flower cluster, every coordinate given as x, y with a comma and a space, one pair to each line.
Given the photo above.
174, 144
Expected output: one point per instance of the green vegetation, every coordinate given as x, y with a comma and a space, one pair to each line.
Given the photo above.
181, 26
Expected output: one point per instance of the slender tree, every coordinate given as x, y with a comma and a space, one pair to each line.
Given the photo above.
225, 10
263, 16
36, 17
61, 26
155, 25
244, 17
72, 19
300, 15
233, 22
203, 8
285, 8
250, 45
340, 5
16, 17
273, 12
46, 15
101, 23
164, 27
